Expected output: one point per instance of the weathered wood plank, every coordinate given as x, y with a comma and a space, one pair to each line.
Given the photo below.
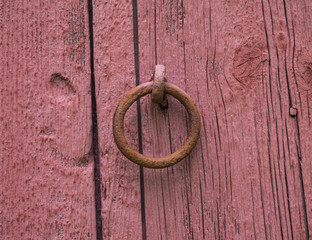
298, 60
114, 76
46, 163
245, 64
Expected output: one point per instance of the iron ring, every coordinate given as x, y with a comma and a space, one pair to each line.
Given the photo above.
158, 162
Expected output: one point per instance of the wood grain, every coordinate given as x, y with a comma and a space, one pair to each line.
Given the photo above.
115, 75
246, 64
46, 163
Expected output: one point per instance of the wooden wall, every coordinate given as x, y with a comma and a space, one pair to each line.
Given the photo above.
46, 162
246, 64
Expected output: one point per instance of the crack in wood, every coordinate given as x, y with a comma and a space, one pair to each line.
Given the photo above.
95, 139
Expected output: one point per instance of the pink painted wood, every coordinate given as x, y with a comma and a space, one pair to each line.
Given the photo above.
46, 167
115, 75
246, 64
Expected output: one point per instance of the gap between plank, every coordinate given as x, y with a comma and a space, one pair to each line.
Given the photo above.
95, 138
137, 82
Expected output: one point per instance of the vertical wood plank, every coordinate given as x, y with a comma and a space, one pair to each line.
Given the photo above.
114, 76
298, 55
246, 64
46, 163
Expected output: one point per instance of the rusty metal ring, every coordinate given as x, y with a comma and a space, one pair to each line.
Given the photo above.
158, 162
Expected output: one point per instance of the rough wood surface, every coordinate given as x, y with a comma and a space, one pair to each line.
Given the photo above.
247, 64
46, 170
115, 75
